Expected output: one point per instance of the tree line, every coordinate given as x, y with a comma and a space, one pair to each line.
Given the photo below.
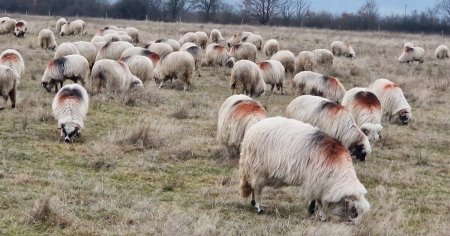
292, 13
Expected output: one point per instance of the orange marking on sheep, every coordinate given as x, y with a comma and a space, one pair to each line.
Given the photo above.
10, 57
246, 108
333, 108
264, 65
333, 151
20, 24
367, 99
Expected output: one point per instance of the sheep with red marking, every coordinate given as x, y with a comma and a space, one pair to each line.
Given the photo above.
286, 58
196, 52
179, 65
216, 36
366, 109
161, 49
280, 152
339, 48
7, 25
140, 66
133, 33
73, 67
13, 59
323, 57
218, 55
20, 28
305, 61
70, 107
254, 39
442, 52
311, 83
395, 108
246, 79
244, 51
65, 49
412, 54
190, 37
9, 80
236, 115
272, 72
113, 50
47, 40
271, 47
60, 22
113, 76
333, 119
202, 39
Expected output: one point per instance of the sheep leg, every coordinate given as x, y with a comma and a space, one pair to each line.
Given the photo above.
161, 84
257, 194
56, 87
312, 207
12, 96
272, 86
5, 101
281, 88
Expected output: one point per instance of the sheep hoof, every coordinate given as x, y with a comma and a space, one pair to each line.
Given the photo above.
259, 209
253, 202
2, 108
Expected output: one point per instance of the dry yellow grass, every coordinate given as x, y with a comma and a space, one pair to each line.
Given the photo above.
150, 165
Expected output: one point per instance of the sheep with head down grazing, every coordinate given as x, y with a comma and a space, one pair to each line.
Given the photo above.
9, 80
271, 47
7, 25
20, 28
172, 42
218, 55
46, 39
13, 59
272, 72
244, 51
339, 48
73, 67
75, 27
140, 66
202, 39
286, 58
113, 76
154, 57
254, 39
216, 36
305, 61
246, 79
133, 33
161, 49
323, 57
60, 22
87, 50
65, 49
312, 83
196, 52
113, 50
190, 37
442, 52
176, 65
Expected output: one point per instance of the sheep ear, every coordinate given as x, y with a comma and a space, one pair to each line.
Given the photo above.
365, 131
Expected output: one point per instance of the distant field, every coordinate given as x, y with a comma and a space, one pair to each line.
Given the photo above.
150, 165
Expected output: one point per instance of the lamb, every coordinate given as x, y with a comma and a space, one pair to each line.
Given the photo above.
161, 49
216, 36
413, 54
73, 67
60, 22
323, 57
20, 28
7, 25
179, 65
218, 55
244, 51
281, 152
46, 39
246, 78
113, 50
196, 52
236, 115
133, 33
9, 79
442, 52
140, 66
305, 61
65, 49
333, 119
141, 51
395, 108
272, 72
339, 48
202, 39
70, 107
87, 50
271, 47
113, 76
308, 82
254, 39
188, 37
366, 109
172, 42
13, 59
75, 27
286, 58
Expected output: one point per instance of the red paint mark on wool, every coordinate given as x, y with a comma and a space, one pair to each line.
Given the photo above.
264, 66
10, 57
334, 108
154, 58
20, 24
333, 151
247, 108
367, 99
219, 48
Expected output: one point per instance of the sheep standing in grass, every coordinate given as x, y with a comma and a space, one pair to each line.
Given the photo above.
7, 25
271, 47
172, 42
133, 33
412, 54
272, 72
140, 51
305, 61
281, 152
366, 109
189, 37
395, 108
246, 78
87, 50
442, 52
179, 65
216, 36
73, 67
20, 28
13, 59
140, 66
75, 27
323, 57
161, 49
244, 51
9, 79
46, 39
65, 49
333, 119
218, 55
339, 48
196, 52
286, 58
60, 22
311, 83
113, 76
113, 50
202, 39
236, 115
254, 39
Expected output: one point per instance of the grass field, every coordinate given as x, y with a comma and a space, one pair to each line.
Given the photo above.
149, 164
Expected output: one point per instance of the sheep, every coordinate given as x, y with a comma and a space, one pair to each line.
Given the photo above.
216, 36
73, 67
70, 107
113, 76
75, 27
254, 39
281, 152
161, 49
413, 54
87, 50
20, 28
308, 82
7, 26
272, 72
179, 65
139, 66
172, 42
408, 45
235, 39
442, 52
395, 108
141, 51
339, 48
271, 47
65, 49
133, 33
366, 109
218, 55
333, 119
111, 27
246, 78
196, 52
305, 61
202, 39
286, 58
13, 59
323, 56
114, 37
9, 79
236, 115
60, 22
244, 51
113, 50
46, 39
188, 37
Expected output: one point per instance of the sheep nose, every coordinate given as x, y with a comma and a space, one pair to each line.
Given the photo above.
66, 139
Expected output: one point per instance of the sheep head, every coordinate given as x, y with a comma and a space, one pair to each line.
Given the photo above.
47, 86
372, 131
402, 117
350, 208
69, 130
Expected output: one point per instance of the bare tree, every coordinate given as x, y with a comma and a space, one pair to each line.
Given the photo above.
263, 10
207, 7
443, 8
301, 10
369, 13
176, 8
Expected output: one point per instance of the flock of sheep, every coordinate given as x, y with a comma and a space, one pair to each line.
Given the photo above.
312, 147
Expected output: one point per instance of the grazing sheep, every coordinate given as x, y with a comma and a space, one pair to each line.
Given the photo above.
244, 51
75, 27
133, 33
216, 36
161, 49
272, 72
190, 37
413, 54
254, 39
114, 37
339, 48
196, 52
271, 47
218, 55
7, 26
111, 27
9, 79
13, 59
308, 82
286, 58
87, 50
140, 66
60, 22
98, 42
141, 51
305, 61
395, 108
281, 152
46, 39
113, 76
246, 78
70, 107
366, 109
65, 49
442, 52
235, 39
73, 67
333, 119
113, 50
236, 115
20, 28
202, 39
179, 65
408, 45
172, 42
323, 57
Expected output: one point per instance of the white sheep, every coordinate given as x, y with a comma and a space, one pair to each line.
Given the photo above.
9, 80
235, 39
254, 39
133, 33
281, 152
140, 66
271, 47
340, 48
113, 50
60, 22
113, 76
286, 58
196, 52
308, 82
20, 28
323, 57
216, 36
272, 72
161, 49
188, 37
114, 37
442, 52
333, 119
413, 54
202, 39
305, 61
236, 115
172, 42
65, 49
70, 107
218, 55
366, 109
179, 65
13, 59
73, 67
7, 25
47, 40
75, 27
244, 51
87, 50
395, 108
246, 78
140, 51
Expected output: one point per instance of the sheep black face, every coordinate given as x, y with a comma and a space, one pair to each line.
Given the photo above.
48, 86
358, 152
346, 209
404, 116
69, 131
